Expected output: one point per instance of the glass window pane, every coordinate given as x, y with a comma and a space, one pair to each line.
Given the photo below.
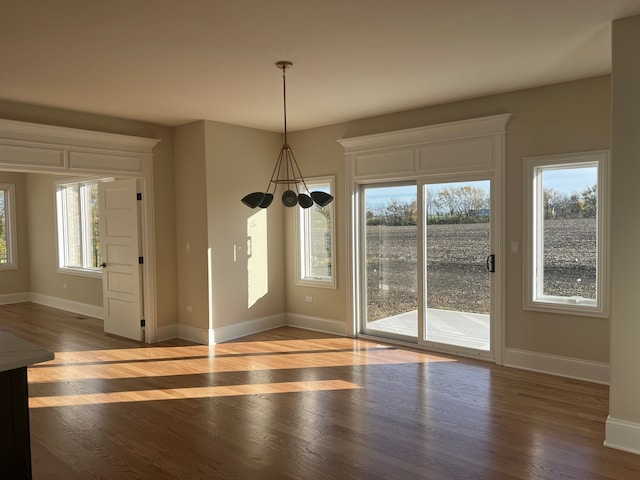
319, 242
78, 226
391, 255
315, 237
569, 246
4, 257
90, 216
73, 235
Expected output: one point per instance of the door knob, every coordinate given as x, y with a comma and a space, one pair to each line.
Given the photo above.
103, 265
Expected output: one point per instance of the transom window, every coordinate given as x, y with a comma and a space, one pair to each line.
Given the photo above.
566, 233
8, 243
78, 227
315, 245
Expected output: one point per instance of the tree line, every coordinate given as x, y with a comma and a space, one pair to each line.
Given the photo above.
464, 204
467, 204
575, 205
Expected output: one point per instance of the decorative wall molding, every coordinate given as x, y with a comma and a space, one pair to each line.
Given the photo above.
595, 372
463, 129
622, 435
37, 147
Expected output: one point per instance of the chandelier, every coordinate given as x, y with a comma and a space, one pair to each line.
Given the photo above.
286, 172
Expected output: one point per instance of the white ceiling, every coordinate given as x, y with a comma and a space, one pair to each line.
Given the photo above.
175, 61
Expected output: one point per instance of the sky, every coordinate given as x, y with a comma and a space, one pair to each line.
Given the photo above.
570, 180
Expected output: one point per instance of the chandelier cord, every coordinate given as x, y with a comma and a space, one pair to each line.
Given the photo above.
284, 96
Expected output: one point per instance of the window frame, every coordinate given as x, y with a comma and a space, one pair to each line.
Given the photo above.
302, 226
12, 231
61, 228
534, 217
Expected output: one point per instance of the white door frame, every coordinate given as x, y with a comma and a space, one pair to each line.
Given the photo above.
38, 148
467, 146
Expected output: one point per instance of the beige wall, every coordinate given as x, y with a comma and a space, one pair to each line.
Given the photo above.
17, 281
625, 235
568, 117
191, 224
216, 165
245, 285
44, 276
163, 187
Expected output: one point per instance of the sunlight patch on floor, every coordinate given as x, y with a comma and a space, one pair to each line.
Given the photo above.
189, 393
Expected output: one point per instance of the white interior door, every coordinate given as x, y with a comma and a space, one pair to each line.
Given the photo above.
119, 242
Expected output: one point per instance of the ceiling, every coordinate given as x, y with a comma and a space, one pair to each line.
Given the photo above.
175, 61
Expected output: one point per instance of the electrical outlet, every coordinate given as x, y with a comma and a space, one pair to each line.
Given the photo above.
308, 299
189, 308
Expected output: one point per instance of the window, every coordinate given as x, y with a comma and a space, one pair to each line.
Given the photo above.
566, 204
316, 257
8, 243
78, 227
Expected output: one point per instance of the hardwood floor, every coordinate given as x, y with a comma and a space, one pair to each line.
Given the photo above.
294, 404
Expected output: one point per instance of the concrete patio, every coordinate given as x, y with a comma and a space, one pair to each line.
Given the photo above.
469, 330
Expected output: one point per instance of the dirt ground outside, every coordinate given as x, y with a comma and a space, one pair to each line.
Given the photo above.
457, 276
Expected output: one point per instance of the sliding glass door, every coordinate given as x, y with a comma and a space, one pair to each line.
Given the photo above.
390, 266
458, 265
426, 262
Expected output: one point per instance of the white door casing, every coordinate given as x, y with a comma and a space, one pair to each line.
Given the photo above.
41, 148
472, 147
119, 244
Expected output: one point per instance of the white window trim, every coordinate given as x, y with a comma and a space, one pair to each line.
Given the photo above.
79, 271
12, 235
533, 233
299, 224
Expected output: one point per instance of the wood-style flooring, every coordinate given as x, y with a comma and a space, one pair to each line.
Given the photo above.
295, 404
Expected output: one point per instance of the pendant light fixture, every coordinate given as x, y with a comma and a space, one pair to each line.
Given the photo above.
286, 172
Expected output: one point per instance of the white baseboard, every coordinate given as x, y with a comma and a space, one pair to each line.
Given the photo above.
68, 305
166, 332
211, 336
192, 334
595, 372
9, 298
317, 324
230, 332
622, 435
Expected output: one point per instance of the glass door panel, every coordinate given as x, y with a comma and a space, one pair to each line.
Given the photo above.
457, 254
390, 261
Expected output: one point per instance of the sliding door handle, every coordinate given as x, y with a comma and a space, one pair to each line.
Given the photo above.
491, 263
